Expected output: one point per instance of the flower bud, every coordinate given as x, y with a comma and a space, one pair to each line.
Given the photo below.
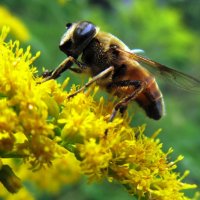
8, 178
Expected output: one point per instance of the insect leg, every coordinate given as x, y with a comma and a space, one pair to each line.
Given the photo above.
63, 66
123, 109
121, 105
76, 70
81, 66
95, 78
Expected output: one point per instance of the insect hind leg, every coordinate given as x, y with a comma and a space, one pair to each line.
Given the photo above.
122, 104
123, 109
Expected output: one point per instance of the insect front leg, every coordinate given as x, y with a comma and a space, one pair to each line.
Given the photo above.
122, 105
81, 67
63, 66
107, 71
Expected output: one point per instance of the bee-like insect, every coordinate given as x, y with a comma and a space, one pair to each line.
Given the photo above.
116, 68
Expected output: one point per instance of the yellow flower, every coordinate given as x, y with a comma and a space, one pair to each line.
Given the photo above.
23, 107
17, 27
22, 194
64, 170
7, 114
41, 126
96, 159
81, 124
62, 2
138, 163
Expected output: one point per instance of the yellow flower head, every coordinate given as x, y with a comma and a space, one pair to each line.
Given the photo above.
22, 103
17, 27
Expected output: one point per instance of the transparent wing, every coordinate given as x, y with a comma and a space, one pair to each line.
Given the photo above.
182, 80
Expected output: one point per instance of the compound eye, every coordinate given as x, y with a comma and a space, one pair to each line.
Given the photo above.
84, 31
68, 25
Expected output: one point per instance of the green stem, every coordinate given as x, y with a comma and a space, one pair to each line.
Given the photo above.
13, 155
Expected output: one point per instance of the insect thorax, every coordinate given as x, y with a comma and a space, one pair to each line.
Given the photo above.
96, 57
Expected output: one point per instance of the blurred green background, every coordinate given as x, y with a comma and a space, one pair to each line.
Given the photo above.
167, 30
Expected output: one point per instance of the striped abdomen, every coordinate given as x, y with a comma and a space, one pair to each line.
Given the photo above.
150, 99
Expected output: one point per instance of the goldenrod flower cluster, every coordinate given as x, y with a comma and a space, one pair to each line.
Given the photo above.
43, 128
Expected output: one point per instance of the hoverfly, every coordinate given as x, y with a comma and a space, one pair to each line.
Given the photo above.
116, 68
